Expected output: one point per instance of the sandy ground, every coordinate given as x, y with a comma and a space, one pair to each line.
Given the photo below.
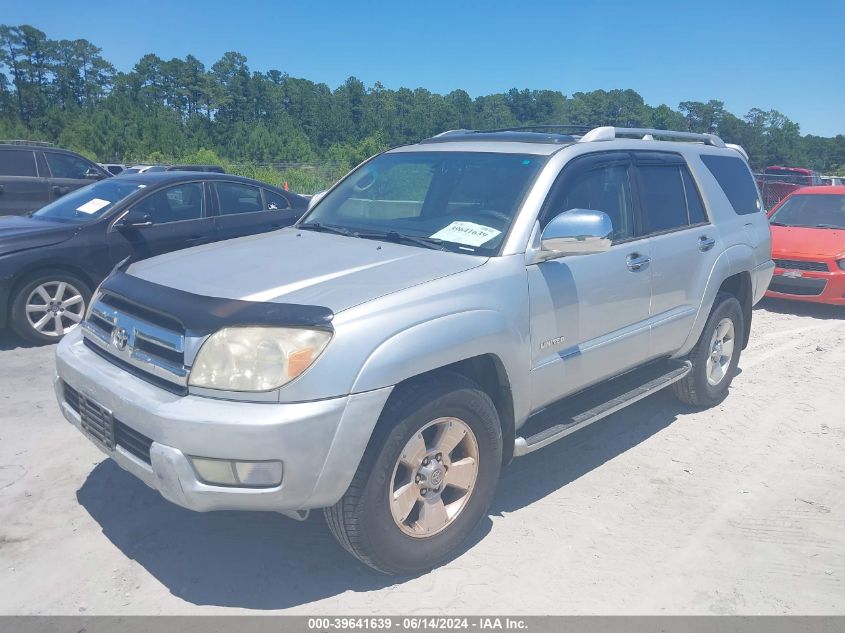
658, 509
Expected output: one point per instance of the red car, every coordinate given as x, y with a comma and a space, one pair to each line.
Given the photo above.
808, 246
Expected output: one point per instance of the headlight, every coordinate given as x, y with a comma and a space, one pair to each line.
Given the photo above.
256, 358
841, 263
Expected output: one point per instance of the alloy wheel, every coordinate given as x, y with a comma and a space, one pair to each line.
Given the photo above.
54, 308
721, 352
434, 477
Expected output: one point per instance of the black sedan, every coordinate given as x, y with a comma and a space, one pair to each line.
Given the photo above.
51, 262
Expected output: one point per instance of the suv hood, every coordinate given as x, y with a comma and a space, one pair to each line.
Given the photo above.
807, 242
302, 267
18, 233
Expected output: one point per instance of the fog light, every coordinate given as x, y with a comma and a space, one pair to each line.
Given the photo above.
225, 472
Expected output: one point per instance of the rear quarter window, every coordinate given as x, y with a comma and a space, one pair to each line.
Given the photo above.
736, 181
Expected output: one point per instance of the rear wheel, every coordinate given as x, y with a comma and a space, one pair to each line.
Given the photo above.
426, 479
48, 305
715, 356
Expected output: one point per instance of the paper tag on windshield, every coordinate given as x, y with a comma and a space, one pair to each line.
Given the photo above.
92, 206
468, 233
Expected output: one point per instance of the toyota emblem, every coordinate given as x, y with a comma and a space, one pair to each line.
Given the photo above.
119, 338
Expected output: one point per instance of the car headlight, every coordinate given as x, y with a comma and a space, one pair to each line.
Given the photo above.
256, 358
841, 263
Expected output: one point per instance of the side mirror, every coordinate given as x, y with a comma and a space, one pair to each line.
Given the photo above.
315, 199
576, 232
135, 220
93, 174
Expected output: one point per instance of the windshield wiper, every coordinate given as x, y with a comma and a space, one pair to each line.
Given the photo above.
395, 236
827, 226
328, 228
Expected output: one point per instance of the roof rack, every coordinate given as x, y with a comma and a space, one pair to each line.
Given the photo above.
609, 133
529, 134
19, 141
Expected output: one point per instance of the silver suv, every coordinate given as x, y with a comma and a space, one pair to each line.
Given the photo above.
445, 307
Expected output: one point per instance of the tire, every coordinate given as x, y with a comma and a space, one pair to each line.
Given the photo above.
698, 387
72, 293
367, 520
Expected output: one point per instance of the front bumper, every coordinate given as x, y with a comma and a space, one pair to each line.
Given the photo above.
813, 286
320, 443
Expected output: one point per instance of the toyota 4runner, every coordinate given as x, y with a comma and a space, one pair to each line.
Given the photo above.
445, 307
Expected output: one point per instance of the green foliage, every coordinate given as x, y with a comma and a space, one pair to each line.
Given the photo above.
178, 110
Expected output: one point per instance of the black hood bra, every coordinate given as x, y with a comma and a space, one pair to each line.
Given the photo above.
200, 315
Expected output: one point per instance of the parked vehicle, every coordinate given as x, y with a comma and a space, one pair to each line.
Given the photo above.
113, 168
217, 169
143, 169
445, 307
833, 181
33, 174
777, 182
808, 246
51, 262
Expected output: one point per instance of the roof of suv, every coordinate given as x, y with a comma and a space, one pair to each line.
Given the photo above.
537, 140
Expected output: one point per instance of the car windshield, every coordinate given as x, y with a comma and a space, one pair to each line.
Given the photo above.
460, 201
824, 211
88, 203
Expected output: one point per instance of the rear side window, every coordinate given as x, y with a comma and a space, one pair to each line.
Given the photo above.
67, 166
664, 199
238, 198
735, 179
15, 162
275, 202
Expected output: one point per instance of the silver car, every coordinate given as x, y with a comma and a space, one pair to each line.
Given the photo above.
445, 307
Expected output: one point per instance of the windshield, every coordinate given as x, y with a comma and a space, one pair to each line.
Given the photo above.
825, 211
88, 203
460, 201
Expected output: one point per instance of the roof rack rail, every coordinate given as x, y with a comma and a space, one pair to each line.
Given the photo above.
19, 141
529, 128
609, 133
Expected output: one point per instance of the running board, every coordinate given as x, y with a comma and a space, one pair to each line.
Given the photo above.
575, 412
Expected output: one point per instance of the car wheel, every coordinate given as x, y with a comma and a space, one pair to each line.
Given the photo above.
48, 305
426, 479
715, 356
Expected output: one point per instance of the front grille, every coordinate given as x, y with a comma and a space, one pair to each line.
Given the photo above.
132, 441
797, 264
101, 425
801, 286
134, 338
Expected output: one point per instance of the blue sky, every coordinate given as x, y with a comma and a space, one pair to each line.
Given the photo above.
788, 56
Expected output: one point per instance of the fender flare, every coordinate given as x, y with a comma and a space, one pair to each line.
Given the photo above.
730, 262
445, 340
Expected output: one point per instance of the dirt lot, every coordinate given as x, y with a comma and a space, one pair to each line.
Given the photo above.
658, 509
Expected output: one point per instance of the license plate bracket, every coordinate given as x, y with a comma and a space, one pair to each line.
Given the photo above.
97, 422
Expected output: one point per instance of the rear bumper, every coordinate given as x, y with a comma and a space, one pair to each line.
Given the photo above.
320, 443
812, 286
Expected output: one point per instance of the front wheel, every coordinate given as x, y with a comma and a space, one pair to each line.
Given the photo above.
716, 355
426, 479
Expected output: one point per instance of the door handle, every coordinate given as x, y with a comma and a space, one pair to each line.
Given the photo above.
60, 191
706, 243
2, 188
196, 238
636, 262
